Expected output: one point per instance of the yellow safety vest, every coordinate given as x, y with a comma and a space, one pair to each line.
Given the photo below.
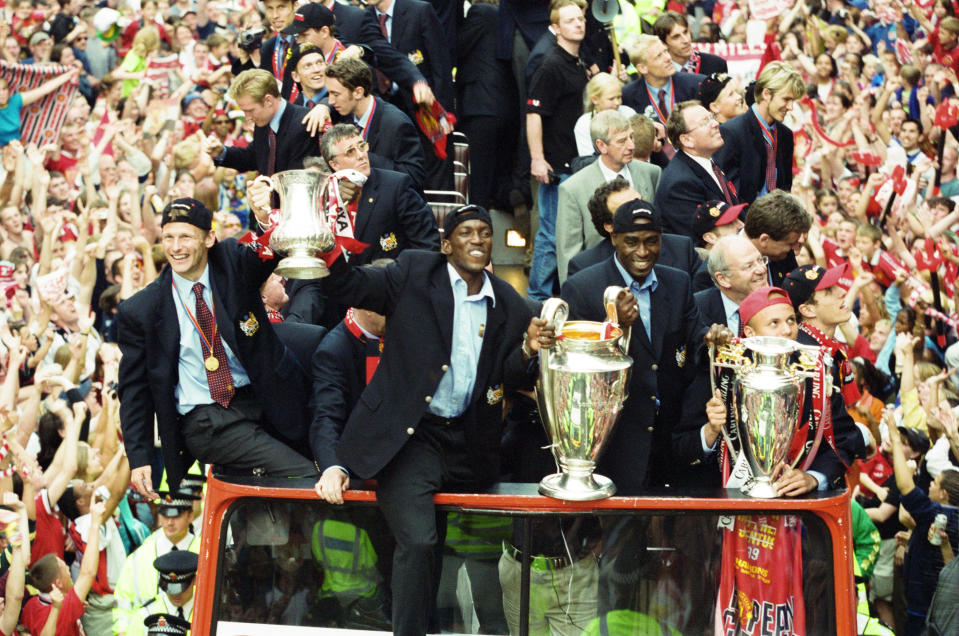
347, 557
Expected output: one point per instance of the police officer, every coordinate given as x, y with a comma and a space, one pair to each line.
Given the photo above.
139, 582
166, 625
177, 571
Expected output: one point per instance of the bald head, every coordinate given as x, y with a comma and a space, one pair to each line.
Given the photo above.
736, 266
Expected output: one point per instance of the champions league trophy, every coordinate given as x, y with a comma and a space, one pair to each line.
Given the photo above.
581, 390
302, 233
762, 380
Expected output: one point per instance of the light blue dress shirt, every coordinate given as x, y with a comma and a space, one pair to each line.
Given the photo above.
732, 313
275, 121
193, 388
667, 91
641, 292
452, 396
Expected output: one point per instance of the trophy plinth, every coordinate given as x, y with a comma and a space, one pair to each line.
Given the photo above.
301, 264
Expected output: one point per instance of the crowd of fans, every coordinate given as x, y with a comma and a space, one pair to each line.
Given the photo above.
858, 102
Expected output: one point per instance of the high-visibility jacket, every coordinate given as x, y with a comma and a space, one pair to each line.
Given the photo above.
477, 537
348, 559
159, 605
866, 623
139, 582
628, 622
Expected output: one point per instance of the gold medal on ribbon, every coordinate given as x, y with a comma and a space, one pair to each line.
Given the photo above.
211, 363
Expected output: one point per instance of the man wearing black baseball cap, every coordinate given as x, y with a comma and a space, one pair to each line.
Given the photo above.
657, 302
459, 339
200, 357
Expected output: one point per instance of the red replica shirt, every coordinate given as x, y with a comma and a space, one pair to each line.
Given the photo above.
885, 267
833, 254
948, 58
49, 537
36, 611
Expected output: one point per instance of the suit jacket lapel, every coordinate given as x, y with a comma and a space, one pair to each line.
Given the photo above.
705, 177
441, 294
223, 308
169, 332
759, 144
364, 208
639, 183
659, 300
399, 25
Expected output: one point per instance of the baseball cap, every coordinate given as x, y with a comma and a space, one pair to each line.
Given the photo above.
312, 15
187, 211
39, 36
636, 215
713, 214
803, 282
463, 214
761, 299
300, 52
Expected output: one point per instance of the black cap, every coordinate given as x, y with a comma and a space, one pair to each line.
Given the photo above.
918, 441
173, 504
177, 570
713, 214
804, 281
711, 87
300, 52
187, 211
462, 214
161, 624
636, 215
312, 15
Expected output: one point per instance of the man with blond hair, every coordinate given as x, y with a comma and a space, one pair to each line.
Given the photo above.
758, 151
660, 85
280, 140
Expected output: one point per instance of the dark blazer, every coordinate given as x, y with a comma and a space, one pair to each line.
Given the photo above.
676, 251
391, 217
683, 186
638, 454
778, 270
286, 87
709, 64
339, 377
685, 86
415, 295
743, 155
692, 467
484, 84
356, 26
416, 33
395, 143
306, 302
293, 143
710, 304
149, 337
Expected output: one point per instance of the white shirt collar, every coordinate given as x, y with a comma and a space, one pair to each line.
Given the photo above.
707, 165
609, 175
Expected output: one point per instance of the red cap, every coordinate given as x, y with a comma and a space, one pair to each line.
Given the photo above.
759, 300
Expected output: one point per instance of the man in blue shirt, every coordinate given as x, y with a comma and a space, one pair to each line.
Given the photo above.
431, 418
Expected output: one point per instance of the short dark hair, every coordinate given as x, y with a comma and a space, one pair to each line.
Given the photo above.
44, 572
664, 24
676, 122
352, 74
777, 214
946, 202
598, 210
913, 120
949, 482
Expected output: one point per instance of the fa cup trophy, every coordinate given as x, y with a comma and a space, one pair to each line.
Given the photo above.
581, 390
303, 233
762, 380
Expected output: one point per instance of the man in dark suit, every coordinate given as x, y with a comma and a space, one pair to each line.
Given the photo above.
758, 153
666, 334
737, 269
280, 140
353, 26
200, 356
676, 251
394, 141
431, 418
692, 177
413, 28
777, 225
671, 28
660, 86
390, 215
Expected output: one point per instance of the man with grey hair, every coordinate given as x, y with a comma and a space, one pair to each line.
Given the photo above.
612, 138
737, 269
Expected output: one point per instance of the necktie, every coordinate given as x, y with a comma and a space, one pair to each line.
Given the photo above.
664, 111
383, 83
722, 182
271, 160
284, 48
179, 611
770, 167
220, 378
174, 549
310, 104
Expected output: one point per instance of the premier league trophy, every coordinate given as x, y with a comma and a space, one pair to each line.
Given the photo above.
303, 232
581, 390
762, 380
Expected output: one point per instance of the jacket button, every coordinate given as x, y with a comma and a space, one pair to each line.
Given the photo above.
445, 367
652, 398
410, 431
649, 428
655, 367
429, 398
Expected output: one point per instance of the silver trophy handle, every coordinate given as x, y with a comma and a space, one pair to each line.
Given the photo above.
733, 456
609, 303
555, 312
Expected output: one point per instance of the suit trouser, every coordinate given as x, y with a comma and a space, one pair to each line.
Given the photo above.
233, 438
435, 458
